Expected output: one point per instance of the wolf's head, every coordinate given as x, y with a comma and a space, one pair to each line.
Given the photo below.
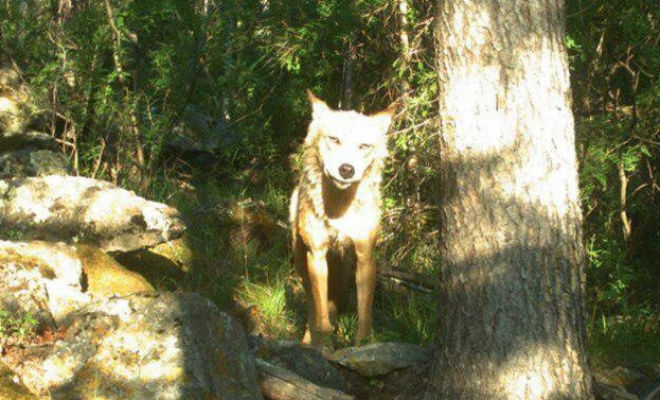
347, 142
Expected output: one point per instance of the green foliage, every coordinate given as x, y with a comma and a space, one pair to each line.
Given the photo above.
16, 328
630, 340
409, 316
271, 298
115, 84
15, 234
617, 92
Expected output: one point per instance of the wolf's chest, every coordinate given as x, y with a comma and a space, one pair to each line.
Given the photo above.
354, 225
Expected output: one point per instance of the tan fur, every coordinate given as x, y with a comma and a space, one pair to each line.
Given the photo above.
335, 219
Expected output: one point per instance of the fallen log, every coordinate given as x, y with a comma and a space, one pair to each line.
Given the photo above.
281, 384
401, 281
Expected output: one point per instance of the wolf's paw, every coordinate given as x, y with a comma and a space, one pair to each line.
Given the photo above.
323, 341
307, 338
362, 338
319, 340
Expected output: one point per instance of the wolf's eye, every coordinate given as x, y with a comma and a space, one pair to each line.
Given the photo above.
365, 146
333, 139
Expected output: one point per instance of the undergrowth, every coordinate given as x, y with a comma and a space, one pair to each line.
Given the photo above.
240, 240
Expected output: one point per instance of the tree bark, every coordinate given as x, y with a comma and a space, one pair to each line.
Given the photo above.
349, 68
511, 286
406, 55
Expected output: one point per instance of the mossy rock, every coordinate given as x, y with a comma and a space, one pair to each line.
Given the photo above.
157, 346
166, 262
104, 276
177, 251
75, 209
33, 162
10, 390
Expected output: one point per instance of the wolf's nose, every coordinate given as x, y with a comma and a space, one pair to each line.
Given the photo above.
346, 171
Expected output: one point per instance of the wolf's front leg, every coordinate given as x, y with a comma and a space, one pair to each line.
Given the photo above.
321, 329
365, 282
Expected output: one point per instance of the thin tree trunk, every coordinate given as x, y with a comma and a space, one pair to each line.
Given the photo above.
406, 56
133, 123
349, 68
511, 306
228, 65
62, 10
623, 193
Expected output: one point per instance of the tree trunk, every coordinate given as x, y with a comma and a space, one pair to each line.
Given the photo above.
511, 309
406, 55
138, 170
349, 67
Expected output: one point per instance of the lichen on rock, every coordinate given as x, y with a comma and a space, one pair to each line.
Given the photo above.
31, 161
103, 276
381, 358
40, 278
146, 346
77, 209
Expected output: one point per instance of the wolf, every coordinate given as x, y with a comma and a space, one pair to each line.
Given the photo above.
335, 214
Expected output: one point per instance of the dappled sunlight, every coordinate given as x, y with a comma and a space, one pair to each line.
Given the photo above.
496, 94
201, 106
488, 123
532, 373
473, 97
270, 306
510, 303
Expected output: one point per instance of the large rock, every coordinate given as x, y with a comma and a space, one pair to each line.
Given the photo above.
166, 263
103, 276
144, 346
308, 362
381, 358
603, 391
76, 209
626, 383
24, 151
8, 77
178, 252
13, 94
10, 389
49, 281
11, 141
32, 161
40, 279
10, 117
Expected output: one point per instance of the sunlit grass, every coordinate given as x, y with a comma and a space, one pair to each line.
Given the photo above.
345, 328
270, 298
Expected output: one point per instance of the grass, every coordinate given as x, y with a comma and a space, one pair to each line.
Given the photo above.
240, 245
632, 340
16, 328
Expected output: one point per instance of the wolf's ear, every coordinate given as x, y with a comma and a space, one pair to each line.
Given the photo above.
384, 118
318, 106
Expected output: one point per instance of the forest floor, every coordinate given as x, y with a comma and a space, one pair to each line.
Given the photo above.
240, 258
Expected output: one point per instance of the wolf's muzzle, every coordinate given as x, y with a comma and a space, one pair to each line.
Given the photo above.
346, 171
